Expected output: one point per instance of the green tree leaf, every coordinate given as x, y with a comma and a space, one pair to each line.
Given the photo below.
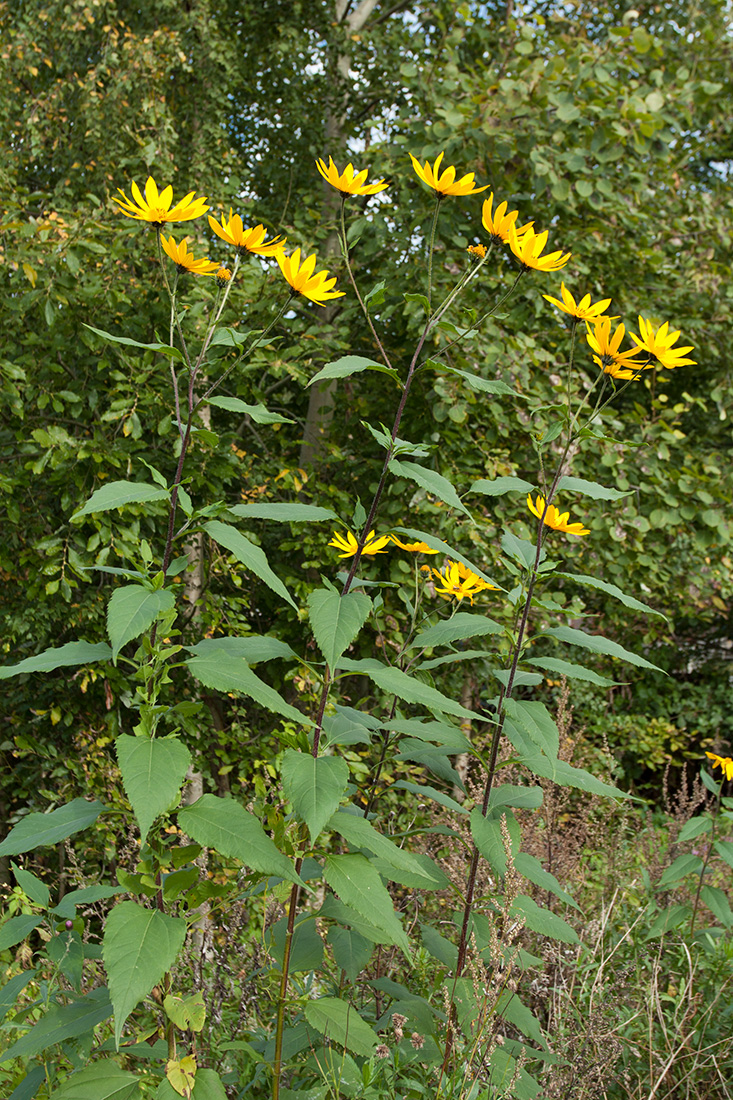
165, 349
336, 620
291, 512
590, 489
43, 830
429, 480
479, 384
536, 720
132, 609
153, 770
250, 555
225, 826
597, 644
353, 879
73, 653
63, 1022
138, 947
116, 494
341, 1023
360, 833
315, 786
395, 682
102, 1081
461, 625
222, 672
613, 590
258, 413
352, 364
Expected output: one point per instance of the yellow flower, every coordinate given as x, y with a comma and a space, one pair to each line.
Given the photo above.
608, 357
184, 260
582, 310
527, 247
723, 762
476, 251
223, 276
659, 345
346, 181
497, 224
246, 240
459, 582
301, 278
413, 547
349, 545
553, 518
156, 208
445, 182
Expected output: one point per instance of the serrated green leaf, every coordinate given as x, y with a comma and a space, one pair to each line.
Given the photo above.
520, 550
360, 833
598, 644
306, 948
668, 919
612, 590
572, 671
429, 480
336, 620
63, 1022
510, 1008
543, 921
164, 349
339, 1021
506, 794
253, 648
102, 1081
461, 625
258, 413
352, 364
222, 672
73, 653
590, 489
530, 868
153, 770
439, 946
395, 682
314, 785
565, 775
253, 557
285, 513
117, 494
535, 719
500, 485
353, 879
43, 830
132, 609
87, 895
724, 848
225, 826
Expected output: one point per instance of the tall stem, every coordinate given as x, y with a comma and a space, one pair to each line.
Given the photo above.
708, 854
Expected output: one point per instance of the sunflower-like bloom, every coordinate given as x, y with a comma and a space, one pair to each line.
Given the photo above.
185, 260
156, 208
659, 345
246, 240
413, 547
445, 182
527, 247
375, 544
608, 357
497, 224
223, 276
476, 251
723, 762
348, 182
317, 287
553, 518
583, 310
459, 582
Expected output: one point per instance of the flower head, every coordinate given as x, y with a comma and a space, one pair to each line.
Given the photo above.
459, 582
156, 208
246, 240
185, 260
723, 762
608, 357
476, 251
497, 224
527, 247
553, 518
301, 278
374, 544
347, 181
583, 310
223, 276
659, 345
413, 547
445, 182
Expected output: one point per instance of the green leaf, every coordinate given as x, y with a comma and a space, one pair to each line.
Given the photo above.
694, 827
542, 920
438, 946
590, 489
250, 555
87, 895
668, 919
138, 947
360, 833
353, 879
233, 832
565, 775
153, 770
102, 1081
30, 1084
336, 620
510, 1008
165, 349
500, 485
207, 1086
333, 909
12, 990
43, 830
187, 1013
395, 682
613, 590
63, 1022
315, 786
598, 644
536, 720
530, 868
686, 864
253, 648
480, 385
16, 929
573, 672
341, 1023
443, 548
351, 951
222, 672
116, 494
526, 798
487, 836
73, 653
258, 413
352, 364
131, 610
718, 904
724, 848
36, 890
285, 513
306, 950
520, 550
461, 625
424, 791
429, 480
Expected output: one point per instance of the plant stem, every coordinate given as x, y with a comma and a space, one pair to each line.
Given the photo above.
708, 854
431, 249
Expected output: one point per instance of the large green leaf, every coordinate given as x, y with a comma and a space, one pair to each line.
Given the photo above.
30, 1084
314, 785
481, 385
225, 826
336, 620
431, 481
598, 644
352, 364
254, 648
612, 590
573, 672
542, 920
501, 485
131, 610
355, 881
118, 493
535, 719
506, 794
12, 990
153, 770
164, 349
43, 830
339, 1021
32, 886
138, 947
250, 555
258, 413
63, 1022
222, 672
351, 951
461, 625
395, 682
16, 929
290, 512
529, 867
360, 833
565, 775
73, 653
590, 489
207, 1086
103, 1080
488, 838
422, 790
